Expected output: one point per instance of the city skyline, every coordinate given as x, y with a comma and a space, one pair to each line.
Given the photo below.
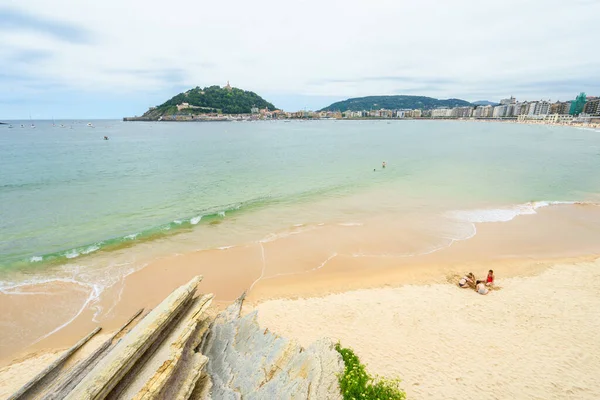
82, 60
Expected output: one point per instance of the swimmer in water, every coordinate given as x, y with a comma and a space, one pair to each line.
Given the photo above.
383, 165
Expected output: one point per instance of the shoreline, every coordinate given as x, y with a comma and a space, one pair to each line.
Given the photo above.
501, 119
302, 266
330, 317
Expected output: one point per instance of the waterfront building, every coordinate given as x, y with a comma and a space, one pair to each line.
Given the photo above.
541, 108
499, 111
462, 112
512, 110
385, 113
523, 109
488, 111
554, 108
441, 113
592, 106
558, 118
565, 107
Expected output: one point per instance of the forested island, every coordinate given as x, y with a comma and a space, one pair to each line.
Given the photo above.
198, 101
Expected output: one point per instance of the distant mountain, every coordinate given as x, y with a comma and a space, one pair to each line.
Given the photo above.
225, 100
484, 103
393, 103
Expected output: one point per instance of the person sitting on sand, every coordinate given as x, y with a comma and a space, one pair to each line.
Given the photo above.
490, 278
467, 281
481, 288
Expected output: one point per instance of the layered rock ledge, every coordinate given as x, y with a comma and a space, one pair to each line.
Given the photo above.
182, 350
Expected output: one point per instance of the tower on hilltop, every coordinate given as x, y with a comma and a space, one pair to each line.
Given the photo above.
228, 86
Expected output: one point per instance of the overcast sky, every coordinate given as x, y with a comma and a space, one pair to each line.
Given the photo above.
112, 58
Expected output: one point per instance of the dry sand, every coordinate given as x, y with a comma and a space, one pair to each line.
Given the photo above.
536, 338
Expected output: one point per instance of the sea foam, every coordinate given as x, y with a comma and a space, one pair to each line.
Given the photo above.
503, 214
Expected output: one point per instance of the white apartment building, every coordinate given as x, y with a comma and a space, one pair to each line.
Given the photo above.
488, 111
441, 113
499, 111
512, 110
462, 112
542, 108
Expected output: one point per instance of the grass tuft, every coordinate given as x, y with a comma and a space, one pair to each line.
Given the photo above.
357, 384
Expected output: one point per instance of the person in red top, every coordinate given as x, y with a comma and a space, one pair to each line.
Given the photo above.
490, 278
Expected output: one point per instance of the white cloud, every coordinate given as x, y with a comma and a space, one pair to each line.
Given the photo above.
460, 48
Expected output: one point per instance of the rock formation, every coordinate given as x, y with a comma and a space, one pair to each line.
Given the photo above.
245, 361
181, 351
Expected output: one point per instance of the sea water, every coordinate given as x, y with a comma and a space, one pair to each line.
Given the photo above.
72, 202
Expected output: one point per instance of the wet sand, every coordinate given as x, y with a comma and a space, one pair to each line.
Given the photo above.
311, 261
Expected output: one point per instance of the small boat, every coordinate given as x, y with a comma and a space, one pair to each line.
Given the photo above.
10, 126
32, 126
90, 125
22, 126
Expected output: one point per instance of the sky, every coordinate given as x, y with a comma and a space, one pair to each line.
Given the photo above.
115, 58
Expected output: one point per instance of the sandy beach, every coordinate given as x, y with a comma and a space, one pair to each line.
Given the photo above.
402, 314
536, 338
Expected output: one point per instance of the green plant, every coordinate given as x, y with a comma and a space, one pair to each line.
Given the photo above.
356, 383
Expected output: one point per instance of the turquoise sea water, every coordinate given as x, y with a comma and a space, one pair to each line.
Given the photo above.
66, 193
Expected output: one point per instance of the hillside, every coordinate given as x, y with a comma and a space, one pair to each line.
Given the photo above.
225, 100
394, 103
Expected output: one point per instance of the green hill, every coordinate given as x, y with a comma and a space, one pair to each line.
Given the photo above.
394, 103
225, 100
